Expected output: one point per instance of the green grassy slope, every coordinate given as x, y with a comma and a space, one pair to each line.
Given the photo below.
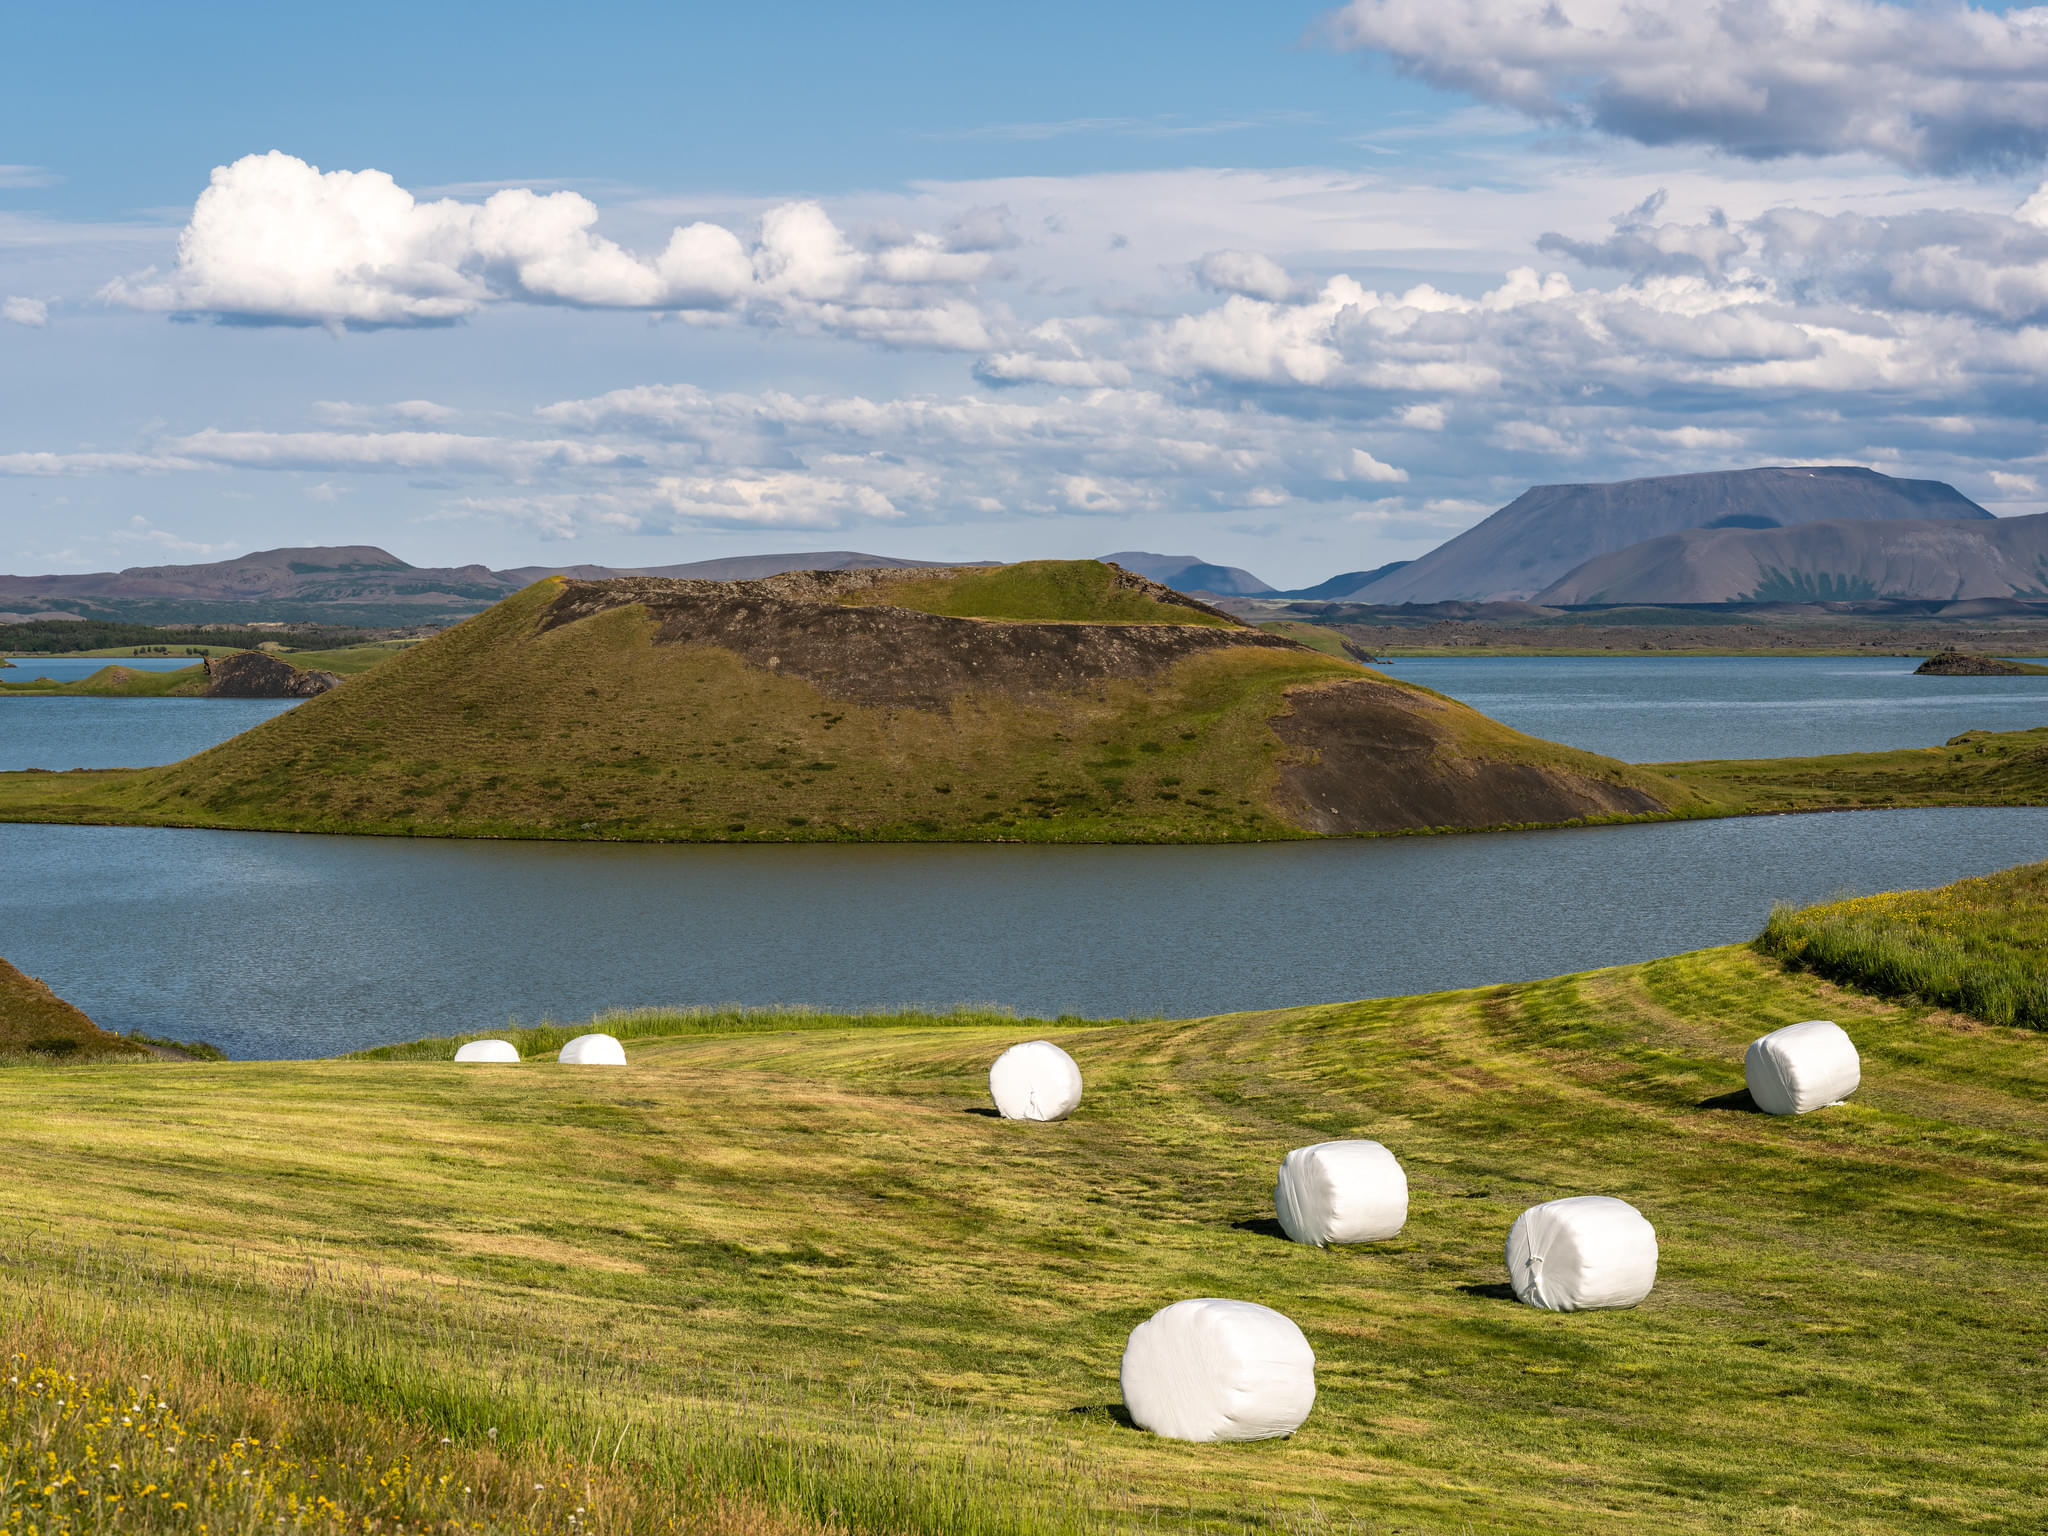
35, 1021
1977, 945
507, 727
804, 1264
1975, 768
1041, 591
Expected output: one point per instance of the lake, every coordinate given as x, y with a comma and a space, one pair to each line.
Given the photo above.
115, 733
1665, 709
278, 945
283, 945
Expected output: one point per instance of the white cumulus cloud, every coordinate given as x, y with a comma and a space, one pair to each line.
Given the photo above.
19, 311
273, 239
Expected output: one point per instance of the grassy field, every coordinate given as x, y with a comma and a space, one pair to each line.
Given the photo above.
1975, 768
1978, 945
802, 1270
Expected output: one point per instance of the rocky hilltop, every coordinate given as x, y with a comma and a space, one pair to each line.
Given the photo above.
255, 675
1051, 701
1549, 530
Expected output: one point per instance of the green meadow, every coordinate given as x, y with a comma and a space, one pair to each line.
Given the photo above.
787, 1272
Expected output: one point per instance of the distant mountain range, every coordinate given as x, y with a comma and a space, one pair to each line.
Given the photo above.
1783, 534
347, 585
1186, 573
1532, 544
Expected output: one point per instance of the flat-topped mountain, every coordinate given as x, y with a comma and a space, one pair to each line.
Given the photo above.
1049, 701
1946, 560
1549, 530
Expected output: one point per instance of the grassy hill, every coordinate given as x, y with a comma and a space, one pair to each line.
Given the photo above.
779, 1278
36, 1021
115, 682
1052, 701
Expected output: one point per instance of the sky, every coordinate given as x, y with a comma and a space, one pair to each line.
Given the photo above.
1299, 288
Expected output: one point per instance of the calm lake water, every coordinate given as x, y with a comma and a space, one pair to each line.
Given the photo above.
275, 945
303, 946
115, 733
1677, 708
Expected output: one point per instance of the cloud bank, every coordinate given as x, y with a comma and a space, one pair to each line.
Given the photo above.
275, 240
1935, 88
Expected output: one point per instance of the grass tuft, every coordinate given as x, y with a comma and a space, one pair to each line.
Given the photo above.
1978, 946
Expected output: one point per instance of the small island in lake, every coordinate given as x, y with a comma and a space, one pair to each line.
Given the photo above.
1962, 664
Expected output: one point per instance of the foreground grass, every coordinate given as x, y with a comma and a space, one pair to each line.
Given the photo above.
803, 1266
1980, 946
95, 1444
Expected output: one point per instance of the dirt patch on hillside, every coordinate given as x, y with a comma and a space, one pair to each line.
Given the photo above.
1377, 758
885, 656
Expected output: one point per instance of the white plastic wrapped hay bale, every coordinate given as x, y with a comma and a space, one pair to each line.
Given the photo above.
487, 1050
1341, 1192
598, 1050
1035, 1081
1218, 1370
1800, 1068
1582, 1254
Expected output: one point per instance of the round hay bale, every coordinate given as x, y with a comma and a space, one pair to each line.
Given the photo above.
1582, 1254
599, 1050
1341, 1192
1802, 1067
1035, 1081
1218, 1370
487, 1050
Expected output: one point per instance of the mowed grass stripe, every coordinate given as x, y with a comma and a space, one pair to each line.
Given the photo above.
1846, 1335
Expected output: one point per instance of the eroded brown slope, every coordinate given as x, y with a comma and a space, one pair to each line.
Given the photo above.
1376, 757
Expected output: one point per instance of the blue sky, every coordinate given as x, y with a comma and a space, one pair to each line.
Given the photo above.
1293, 288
